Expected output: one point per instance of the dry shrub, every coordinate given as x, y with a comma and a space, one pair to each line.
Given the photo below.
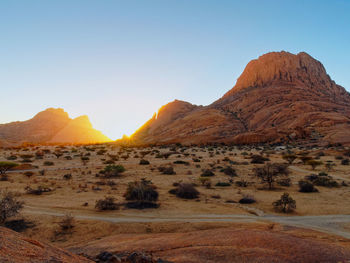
247, 199
185, 191
142, 194
107, 204
9, 206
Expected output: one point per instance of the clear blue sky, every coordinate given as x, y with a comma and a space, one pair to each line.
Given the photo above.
119, 61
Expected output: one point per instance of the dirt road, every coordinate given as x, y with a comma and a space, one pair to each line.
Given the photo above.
331, 224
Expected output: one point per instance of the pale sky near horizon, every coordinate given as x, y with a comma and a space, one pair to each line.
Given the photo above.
119, 61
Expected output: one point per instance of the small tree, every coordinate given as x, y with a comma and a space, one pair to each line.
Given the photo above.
314, 163
29, 174
205, 181
84, 159
58, 154
65, 227
289, 158
67, 224
305, 159
9, 206
329, 165
270, 172
4, 167
286, 204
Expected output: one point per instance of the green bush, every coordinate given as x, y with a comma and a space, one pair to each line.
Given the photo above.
229, 171
166, 170
207, 173
247, 200
306, 187
222, 184
325, 181
345, 162
322, 179
144, 162
258, 159
181, 162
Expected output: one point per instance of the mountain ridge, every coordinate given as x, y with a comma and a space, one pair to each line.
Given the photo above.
279, 97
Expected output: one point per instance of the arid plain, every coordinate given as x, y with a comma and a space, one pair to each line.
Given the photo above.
60, 182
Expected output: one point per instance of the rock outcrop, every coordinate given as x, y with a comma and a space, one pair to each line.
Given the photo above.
50, 126
280, 97
15, 248
229, 244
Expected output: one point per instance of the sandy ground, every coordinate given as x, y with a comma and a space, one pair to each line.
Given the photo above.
325, 211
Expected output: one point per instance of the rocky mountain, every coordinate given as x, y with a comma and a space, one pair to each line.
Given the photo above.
50, 126
280, 97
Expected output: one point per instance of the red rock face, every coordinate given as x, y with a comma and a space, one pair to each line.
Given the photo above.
280, 97
300, 69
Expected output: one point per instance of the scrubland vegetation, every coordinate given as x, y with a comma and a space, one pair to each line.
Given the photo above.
108, 180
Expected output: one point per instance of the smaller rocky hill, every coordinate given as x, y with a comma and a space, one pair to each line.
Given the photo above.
50, 126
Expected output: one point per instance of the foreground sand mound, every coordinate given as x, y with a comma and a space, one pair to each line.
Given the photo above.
226, 245
19, 249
